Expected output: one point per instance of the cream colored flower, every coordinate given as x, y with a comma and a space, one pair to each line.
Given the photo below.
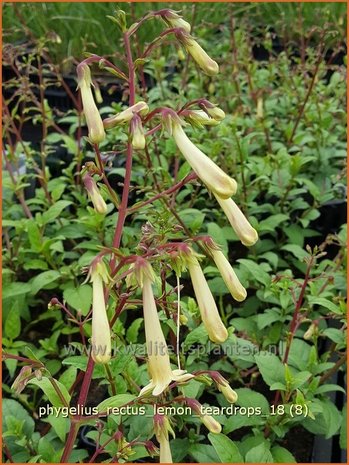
214, 177
98, 202
308, 335
101, 336
158, 359
140, 108
162, 427
137, 133
94, 122
208, 66
212, 110
215, 328
228, 274
211, 424
229, 393
247, 235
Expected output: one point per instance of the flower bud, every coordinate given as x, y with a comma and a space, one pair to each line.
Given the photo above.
228, 274
22, 379
214, 177
212, 110
125, 116
162, 427
207, 65
98, 202
101, 336
215, 328
211, 424
172, 19
199, 118
310, 332
94, 122
247, 235
137, 133
223, 385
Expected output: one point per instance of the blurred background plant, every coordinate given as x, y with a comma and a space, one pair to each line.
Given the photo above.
282, 86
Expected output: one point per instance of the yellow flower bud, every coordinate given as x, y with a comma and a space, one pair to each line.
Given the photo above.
208, 66
94, 122
214, 177
98, 202
228, 274
101, 336
215, 328
125, 116
137, 133
247, 235
310, 332
211, 424
229, 393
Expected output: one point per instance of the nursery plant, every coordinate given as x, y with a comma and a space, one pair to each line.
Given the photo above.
195, 309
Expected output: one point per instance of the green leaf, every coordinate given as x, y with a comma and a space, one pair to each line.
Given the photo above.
133, 330
256, 271
34, 236
218, 236
322, 302
270, 223
12, 408
327, 418
270, 367
343, 430
226, 449
46, 386
13, 323
115, 401
53, 212
43, 279
59, 424
296, 250
14, 289
259, 454
257, 407
282, 455
203, 453
79, 298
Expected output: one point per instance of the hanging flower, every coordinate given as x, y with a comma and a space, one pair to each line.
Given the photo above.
158, 359
140, 108
214, 177
98, 202
215, 328
162, 427
247, 235
308, 335
137, 133
226, 270
211, 424
94, 122
223, 385
172, 19
101, 336
207, 65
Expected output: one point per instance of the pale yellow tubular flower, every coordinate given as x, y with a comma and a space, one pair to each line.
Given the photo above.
310, 332
208, 66
245, 232
229, 393
158, 359
216, 113
94, 121
140, 108
215, 328
214, 177
162, 427
137, 133
232, 282
211, 424
98, 202
101, 336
